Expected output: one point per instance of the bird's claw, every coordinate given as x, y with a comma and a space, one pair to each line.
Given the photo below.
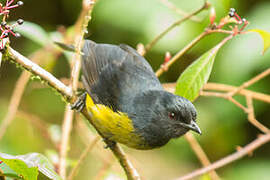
79, 103
109, 143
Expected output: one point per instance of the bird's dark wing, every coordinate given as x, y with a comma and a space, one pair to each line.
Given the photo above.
112, 75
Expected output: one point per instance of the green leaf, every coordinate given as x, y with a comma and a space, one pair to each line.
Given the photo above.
196, 75
34, 32
265, 36
28, 165
20, 167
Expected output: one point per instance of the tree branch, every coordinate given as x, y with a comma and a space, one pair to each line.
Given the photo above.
250, 82
225, 88
251, 116
262, 139
67, 93
165, 67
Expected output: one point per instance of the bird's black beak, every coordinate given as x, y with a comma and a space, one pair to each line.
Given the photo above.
193, 126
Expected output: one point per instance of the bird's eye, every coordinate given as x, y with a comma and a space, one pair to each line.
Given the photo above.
172, 115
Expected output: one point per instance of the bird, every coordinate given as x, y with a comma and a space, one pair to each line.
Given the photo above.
126, 101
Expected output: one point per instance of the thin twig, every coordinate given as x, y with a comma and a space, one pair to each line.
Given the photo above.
262, 139
87, 136
251, 116
178, 22
164, 68
37, 122
74, 171
200, 154
64, 146
17, 95
14, 102
130, 171
104, 169
244, 92
225, 88
179, 11
80, 30
224, 96
250, 82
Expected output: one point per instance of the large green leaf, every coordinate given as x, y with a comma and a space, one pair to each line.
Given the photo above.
196, 75
28, 165
265, 36
20, 167
34, 32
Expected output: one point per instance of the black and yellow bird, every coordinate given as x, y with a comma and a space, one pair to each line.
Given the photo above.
126, 101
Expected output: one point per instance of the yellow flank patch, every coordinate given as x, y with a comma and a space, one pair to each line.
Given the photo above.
115, 126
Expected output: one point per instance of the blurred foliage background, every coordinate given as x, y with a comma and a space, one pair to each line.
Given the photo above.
224, 125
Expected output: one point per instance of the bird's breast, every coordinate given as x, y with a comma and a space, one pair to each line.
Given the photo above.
115, 126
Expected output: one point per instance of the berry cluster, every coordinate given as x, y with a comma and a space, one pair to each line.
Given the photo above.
233, 14
6, 28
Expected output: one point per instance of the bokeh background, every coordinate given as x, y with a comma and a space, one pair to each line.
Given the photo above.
224, 125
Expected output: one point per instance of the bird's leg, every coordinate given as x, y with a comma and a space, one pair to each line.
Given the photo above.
79, 103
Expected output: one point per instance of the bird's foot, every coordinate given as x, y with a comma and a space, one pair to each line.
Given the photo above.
109, 143
79, 103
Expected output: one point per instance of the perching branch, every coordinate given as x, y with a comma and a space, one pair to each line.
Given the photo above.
67, 93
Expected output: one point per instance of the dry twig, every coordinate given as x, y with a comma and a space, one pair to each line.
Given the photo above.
262, 139
104, 168
81, 28
251, 116
250, 82
179, 11
17, 95
200, 154
74, 171
152, 43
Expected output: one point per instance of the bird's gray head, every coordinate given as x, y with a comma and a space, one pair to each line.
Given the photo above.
160, 116
180, 114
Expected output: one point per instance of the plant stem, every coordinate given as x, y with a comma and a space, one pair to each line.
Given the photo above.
262, 139
152, 43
